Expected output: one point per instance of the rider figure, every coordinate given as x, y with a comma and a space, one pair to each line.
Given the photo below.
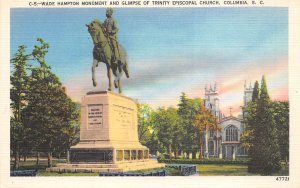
112, 29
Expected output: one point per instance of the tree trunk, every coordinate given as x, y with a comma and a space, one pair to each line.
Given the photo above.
188, 155
49, 159
68, 156
201, 150
16, 162
170, 151
193, 155
37, 158
25, 157
176, 153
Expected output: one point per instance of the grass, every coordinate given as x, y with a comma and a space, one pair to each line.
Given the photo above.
31, 164
223, 170
232, 170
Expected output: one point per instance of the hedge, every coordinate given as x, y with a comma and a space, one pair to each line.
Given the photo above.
204, 161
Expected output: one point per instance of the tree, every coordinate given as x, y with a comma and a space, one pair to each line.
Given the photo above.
204, 121
50, 115
18, 94
169, 132
250, 121
281, 115
144, 122
266, 156
186, 111
255, 94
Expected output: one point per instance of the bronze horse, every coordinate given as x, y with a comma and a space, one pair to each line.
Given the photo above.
103, 52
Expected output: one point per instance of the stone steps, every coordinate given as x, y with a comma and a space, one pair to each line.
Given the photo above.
88, 165
84, 170
119, 167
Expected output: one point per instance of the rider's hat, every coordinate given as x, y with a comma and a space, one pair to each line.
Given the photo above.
109, 11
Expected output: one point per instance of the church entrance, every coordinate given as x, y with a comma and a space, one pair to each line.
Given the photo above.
230, 151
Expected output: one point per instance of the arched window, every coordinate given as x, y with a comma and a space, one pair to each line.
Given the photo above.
211, 133
231, 133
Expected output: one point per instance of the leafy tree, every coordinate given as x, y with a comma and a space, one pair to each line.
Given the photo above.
250, 121
186, 111
204, 121
144, 122
255, 94
266, 158
249, 118
18, 94
281, 115
167, 123
50, 115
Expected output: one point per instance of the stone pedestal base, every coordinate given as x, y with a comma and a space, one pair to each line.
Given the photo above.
119, 167
108, 137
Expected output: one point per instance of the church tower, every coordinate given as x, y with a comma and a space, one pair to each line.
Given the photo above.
211, 146
212, 100
247, 94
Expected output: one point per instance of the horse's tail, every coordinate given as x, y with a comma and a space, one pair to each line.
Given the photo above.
124, 60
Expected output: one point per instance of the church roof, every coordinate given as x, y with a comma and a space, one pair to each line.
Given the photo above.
230, 118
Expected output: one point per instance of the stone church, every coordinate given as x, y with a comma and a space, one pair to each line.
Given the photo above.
225, 142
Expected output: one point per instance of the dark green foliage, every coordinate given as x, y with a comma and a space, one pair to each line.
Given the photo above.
189, 111
205, 161
169, 130
18, 94
50, 115
44, 117
175, 131
255, 94
264, 154
281, 116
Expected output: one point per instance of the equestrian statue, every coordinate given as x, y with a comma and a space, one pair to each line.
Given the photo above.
108, 50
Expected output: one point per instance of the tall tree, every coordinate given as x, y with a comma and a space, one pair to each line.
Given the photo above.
169, 132
50, 114
250, 121
186, 111
266, 158
144, 122
18, 94
255, 94
203, 122
281, 115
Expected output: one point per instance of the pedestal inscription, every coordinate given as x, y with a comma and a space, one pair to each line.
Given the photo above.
124, 116
95, 116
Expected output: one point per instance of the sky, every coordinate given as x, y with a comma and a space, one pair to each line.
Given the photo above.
170, 50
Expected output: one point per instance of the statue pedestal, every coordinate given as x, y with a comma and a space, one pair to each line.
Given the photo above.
108, 137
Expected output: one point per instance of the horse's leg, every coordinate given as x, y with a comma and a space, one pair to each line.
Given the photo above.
116, 83
95, 64
125, 69
109, 71
120, 86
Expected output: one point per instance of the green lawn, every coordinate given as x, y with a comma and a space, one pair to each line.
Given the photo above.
232, 170
223, 170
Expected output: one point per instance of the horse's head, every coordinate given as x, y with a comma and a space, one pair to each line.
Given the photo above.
95, 30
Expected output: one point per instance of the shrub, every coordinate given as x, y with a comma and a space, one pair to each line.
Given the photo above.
204, 161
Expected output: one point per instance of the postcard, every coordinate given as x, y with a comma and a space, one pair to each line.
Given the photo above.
108, 93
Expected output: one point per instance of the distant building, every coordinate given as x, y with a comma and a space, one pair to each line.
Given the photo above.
224, 142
